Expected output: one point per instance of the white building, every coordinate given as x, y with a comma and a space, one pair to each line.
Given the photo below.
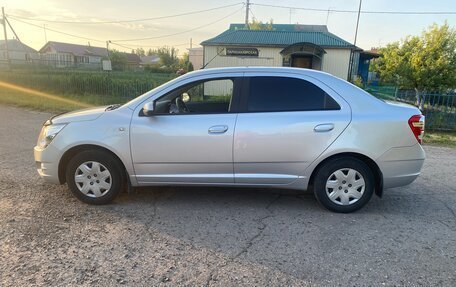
63, 55
70, 55
304, 46
196, 57
18, 52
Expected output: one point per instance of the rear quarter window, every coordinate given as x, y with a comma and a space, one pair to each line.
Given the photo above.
275, 94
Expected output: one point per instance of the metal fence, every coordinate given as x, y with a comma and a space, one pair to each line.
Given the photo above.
46, 64
102, 87
439, 108
87, 86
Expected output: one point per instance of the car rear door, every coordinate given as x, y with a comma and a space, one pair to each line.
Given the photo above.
285, 123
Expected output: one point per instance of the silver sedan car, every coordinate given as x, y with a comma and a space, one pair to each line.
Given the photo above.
249, 126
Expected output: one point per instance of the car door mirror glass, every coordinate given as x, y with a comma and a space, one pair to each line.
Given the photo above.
148, 109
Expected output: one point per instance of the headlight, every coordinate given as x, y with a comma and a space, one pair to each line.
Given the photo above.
48, 133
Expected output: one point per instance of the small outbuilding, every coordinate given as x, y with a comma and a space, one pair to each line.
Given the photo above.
284, 45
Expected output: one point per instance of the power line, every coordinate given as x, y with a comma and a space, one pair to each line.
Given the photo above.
126, 21
57, 31
123, 46
128, 40
179, 33
130, 47
153, 46
362, 12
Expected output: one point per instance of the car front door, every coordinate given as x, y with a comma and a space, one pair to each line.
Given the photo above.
189, 137
285, 123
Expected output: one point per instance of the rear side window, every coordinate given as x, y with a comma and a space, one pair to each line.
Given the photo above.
276, 94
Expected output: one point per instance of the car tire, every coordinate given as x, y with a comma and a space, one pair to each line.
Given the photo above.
94, 177
344, 184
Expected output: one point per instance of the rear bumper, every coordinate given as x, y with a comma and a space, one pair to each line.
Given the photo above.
401, 166
47, 163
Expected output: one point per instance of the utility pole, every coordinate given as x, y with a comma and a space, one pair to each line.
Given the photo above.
190, 43
247, 9
357, 21
107, 49
12, 29
350, 65
6, 37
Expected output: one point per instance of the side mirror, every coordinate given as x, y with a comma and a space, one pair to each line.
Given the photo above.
148, 109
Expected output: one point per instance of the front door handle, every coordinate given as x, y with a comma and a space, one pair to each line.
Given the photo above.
220, 129
323, 128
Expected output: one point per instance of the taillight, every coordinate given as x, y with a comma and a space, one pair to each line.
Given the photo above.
416, 124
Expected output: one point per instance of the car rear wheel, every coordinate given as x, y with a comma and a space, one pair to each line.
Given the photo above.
94, 177
344, 184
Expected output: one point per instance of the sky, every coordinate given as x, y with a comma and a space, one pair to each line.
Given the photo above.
374, 29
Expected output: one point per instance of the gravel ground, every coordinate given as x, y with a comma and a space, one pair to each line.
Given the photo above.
218, 236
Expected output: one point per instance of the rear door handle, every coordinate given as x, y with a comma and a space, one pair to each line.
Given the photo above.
220, 129
323, 128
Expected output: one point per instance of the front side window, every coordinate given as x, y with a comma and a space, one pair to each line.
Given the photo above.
279, 94
204, 97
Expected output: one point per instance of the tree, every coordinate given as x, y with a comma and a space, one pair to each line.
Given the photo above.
423, 63
258, 25
139, 51
190, 67
118, 60
183, 62
168, 56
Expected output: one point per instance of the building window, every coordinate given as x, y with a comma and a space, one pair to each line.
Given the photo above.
281, 94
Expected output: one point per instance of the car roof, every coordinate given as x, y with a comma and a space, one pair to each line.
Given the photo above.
241, 69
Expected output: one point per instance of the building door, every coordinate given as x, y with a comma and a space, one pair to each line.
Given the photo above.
302, 62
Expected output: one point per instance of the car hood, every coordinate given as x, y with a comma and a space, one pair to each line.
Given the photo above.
89, 114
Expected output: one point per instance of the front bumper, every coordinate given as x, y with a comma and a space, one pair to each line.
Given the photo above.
401, 166
47, 163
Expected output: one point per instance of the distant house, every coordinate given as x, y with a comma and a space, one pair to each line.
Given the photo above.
63, 55
196, 57
133, 60
18, 52
71, 55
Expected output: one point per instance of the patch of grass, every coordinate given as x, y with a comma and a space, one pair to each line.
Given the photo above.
121, 85
439, 138
31, 101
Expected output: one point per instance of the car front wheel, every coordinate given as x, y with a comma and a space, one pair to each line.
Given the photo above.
94, 177
344, 184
